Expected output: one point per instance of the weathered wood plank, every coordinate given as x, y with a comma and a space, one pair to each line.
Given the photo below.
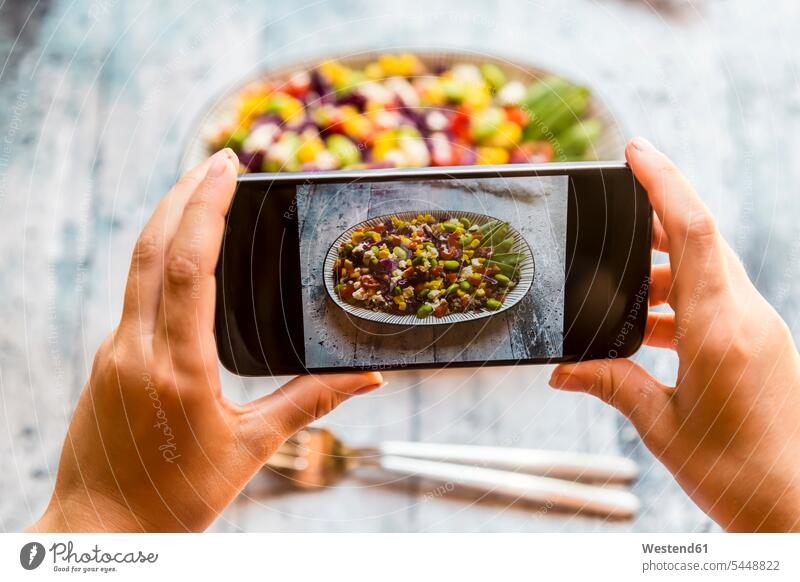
49, 125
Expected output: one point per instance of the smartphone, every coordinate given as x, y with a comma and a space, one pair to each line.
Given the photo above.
433, 267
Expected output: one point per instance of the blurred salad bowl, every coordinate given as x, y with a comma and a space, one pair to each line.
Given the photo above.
426, 108
428, 268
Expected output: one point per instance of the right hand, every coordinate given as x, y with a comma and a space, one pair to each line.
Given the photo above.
729, 430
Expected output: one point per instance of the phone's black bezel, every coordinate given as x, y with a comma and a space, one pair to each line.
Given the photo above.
599, 192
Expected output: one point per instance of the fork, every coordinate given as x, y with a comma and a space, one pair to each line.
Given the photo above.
316, 458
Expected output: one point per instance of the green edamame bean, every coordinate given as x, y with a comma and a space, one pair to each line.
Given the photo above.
502, 279
424, 293
451, 265
452, 288
465, 221
424, 310
465, 286
493, 304
399, 252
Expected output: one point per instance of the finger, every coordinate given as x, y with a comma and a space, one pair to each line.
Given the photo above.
660, 284
660, 330
625, 386
694, 243
143, 288
660, 241
270, 420
186, 317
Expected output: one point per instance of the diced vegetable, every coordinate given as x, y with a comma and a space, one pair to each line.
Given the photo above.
345, 151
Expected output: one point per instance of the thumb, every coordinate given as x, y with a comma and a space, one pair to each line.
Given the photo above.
625, 386
273, 418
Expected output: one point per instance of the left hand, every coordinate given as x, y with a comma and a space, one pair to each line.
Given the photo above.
153, 444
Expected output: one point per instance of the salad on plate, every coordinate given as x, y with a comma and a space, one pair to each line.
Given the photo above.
428, 266
397, 112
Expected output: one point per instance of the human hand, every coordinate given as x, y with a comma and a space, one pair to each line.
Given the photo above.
729, 431
153, 444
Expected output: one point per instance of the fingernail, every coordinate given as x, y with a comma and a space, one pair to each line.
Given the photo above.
232, 157
642, 144
566, 380
219, 162
370, 388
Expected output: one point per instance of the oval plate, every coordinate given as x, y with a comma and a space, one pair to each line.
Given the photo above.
527, 269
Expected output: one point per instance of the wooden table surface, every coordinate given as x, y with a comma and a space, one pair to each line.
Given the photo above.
99, 96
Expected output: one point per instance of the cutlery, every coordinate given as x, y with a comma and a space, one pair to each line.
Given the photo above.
315, 458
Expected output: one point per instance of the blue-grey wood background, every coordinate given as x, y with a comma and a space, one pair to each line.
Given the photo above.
98, 96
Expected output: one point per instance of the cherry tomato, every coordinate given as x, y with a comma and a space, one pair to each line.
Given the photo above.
461, 123
448, 253
436, 271
441, 309
517, 115
298, 85
369, 282
540, 151
346, 292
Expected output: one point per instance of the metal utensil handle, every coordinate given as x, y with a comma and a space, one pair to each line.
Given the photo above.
564, 465
542, 490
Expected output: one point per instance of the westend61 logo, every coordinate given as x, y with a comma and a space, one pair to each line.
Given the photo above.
31, 555
67, 559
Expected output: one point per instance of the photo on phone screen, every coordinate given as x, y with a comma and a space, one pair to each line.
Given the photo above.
434, 267
432, 271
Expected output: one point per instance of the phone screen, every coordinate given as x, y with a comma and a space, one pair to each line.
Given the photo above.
432, 271
406, 271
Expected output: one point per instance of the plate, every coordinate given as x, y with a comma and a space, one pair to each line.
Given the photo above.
527, 270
